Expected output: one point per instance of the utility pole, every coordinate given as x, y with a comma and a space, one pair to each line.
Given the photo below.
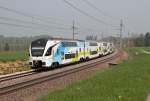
102, 36
121, 28
128, 39
73, 28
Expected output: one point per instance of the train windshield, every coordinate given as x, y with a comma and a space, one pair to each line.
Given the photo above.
38, 46
37, 51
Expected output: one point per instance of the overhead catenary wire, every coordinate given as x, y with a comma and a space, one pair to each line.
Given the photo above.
87, 14
17, 25
27, 26
46, 21
33, 23
96, 8
15, 11
29, 15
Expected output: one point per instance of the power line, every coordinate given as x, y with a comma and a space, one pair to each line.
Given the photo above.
15, 11
16, 20
87, 14
27, 15
48, 21
33, 23
96, 8
57, 20
26, 26
16, 25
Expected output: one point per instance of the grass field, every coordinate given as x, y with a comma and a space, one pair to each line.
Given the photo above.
128, 81
12, 56
11, 62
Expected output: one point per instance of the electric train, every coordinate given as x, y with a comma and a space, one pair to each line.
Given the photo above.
47, 53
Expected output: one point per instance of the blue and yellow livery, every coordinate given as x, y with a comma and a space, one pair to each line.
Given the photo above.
52, 53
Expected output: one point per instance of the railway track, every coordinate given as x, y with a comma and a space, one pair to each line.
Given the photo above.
28, 83
17, 75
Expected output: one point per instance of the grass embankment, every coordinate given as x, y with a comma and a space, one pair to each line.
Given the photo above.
128, 81
13, 56
11, 62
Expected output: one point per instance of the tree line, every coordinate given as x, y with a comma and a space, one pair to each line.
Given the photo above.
17, 43
143, 40
23, 43
134, 40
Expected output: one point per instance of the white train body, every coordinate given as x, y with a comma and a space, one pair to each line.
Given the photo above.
91, 50
104, 46
111, 47
51, 53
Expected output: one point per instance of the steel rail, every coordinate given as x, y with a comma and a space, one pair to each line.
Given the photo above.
16, 75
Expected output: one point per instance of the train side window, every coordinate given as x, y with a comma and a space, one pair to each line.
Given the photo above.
69, 56
57, 51
62, 55
77, 53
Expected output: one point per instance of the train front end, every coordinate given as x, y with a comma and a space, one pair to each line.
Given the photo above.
41, 53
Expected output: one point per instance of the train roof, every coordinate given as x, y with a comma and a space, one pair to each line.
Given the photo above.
58, 39
62, 39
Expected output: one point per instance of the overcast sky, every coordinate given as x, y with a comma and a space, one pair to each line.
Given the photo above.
56, 17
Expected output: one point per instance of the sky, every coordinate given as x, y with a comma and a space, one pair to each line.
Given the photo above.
55, 17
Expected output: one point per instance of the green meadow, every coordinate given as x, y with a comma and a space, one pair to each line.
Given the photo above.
13, 56
128, 81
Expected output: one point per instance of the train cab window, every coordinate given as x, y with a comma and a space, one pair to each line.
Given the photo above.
37, 51
38, 46
49, 51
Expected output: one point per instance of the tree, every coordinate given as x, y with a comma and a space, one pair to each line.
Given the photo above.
139, 41
6, 48
147, 39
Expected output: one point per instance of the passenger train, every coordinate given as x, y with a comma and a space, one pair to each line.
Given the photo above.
47, 53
